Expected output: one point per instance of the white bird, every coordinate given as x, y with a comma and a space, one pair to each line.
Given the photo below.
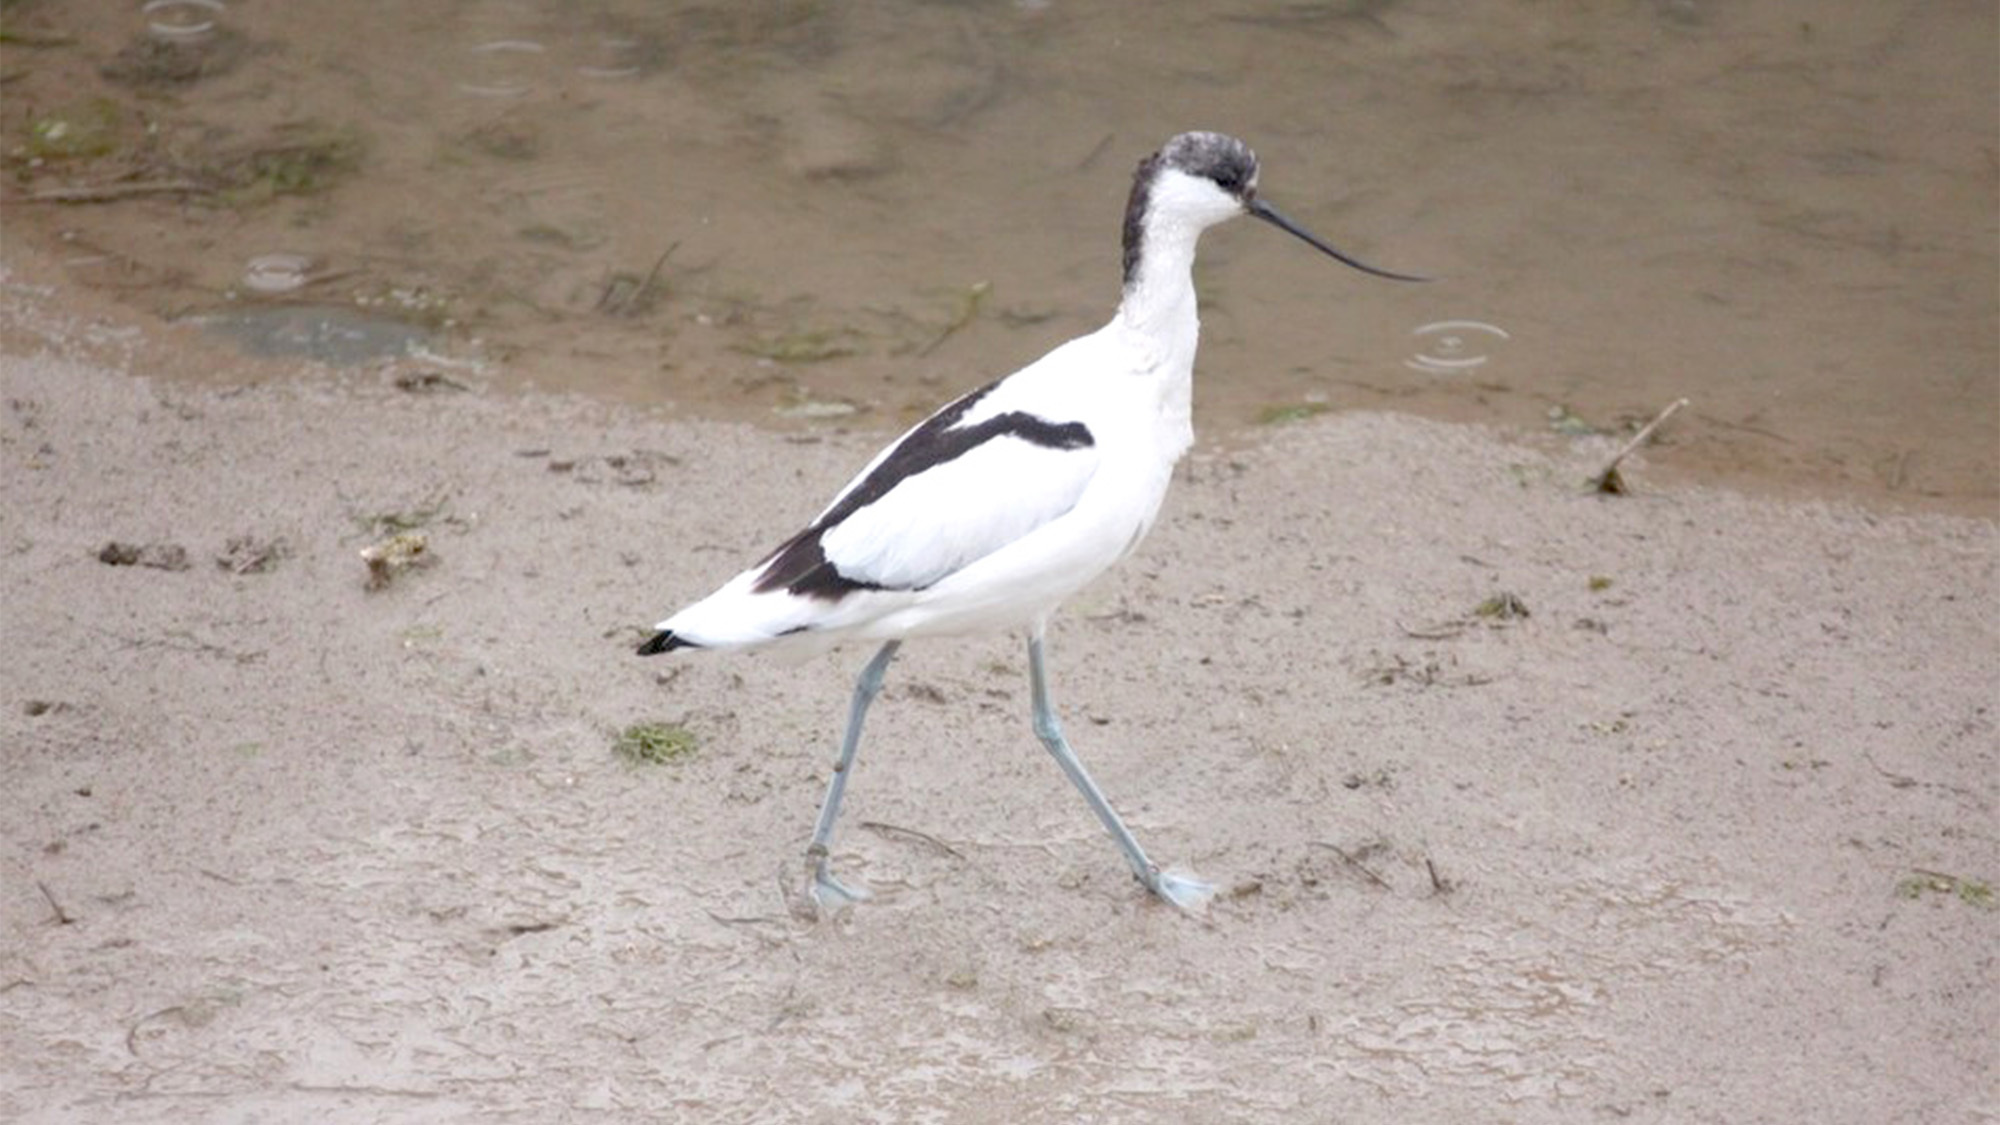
992, 511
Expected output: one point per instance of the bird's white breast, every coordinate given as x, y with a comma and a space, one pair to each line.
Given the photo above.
1136, 406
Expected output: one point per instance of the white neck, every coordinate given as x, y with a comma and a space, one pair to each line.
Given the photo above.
1158, 310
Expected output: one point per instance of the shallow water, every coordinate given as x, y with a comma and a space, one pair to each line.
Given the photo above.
805, 212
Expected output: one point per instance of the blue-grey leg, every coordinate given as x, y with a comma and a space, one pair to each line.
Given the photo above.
1180, 890
825, 890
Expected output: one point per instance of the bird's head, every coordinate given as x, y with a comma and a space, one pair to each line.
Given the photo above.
1197, 180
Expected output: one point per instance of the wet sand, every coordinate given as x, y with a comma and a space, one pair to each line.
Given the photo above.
1707, 835
1782, 212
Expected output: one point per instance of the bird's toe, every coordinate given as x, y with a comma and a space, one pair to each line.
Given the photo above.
1183, 891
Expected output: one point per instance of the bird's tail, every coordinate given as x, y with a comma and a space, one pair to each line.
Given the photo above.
666, 640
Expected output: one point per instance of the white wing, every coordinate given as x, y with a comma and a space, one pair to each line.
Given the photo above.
933, 522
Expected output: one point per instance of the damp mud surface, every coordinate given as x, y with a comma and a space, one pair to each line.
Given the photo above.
1526, 803
792, 212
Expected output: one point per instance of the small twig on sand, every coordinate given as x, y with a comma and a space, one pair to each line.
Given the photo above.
968, 308
1608, 479
1438, 883
63, 917
111, 193
1355, 864
1896, 780
622, 298
896, 830
1443, 631
19, 38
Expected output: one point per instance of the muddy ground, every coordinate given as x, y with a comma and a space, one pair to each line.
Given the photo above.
1706, 834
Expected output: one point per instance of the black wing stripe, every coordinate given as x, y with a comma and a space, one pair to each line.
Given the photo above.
800, 565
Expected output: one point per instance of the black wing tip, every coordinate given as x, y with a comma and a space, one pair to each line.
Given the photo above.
666, 640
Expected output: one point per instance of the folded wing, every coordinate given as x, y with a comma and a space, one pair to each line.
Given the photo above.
954, 489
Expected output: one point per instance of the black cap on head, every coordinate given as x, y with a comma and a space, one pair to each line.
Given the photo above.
1213, 156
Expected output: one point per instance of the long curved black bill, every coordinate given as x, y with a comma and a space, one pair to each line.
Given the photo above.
1262, 210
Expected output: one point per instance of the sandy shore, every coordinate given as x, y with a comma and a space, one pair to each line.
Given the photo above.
1708, 836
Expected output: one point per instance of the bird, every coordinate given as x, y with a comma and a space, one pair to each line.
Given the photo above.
992, 511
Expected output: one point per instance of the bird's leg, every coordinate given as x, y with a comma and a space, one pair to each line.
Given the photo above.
1180, 890
824, 890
